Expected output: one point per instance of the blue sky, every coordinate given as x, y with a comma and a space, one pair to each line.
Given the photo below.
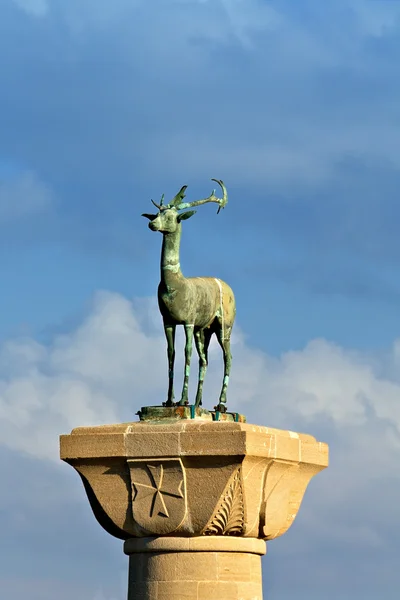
295, 104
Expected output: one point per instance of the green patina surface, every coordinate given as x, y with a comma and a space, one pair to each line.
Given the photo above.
202, 305
162, 414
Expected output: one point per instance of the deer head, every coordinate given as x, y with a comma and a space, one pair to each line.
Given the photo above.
168, 218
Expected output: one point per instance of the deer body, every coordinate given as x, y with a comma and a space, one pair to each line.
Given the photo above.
203, 305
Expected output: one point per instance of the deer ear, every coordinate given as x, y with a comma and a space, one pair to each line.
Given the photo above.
150, 217
186, 215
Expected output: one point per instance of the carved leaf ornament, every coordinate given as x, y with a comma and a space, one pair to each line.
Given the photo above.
228, 519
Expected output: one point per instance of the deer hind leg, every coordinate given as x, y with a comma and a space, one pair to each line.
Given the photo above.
188, 354
202, 339
170, 335
224, 339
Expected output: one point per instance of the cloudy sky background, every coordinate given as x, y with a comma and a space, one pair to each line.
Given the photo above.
295, 104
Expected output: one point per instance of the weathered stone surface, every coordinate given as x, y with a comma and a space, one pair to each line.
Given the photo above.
194, 478
217, 567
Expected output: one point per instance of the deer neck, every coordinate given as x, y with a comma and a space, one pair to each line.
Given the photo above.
170, 267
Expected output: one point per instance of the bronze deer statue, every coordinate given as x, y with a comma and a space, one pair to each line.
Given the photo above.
203, 305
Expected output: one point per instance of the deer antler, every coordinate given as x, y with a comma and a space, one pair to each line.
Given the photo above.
159, 206
177, 200
212, 198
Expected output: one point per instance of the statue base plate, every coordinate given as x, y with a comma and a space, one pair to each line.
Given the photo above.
162, 414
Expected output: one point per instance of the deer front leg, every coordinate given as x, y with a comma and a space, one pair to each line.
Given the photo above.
188, 353
170, 335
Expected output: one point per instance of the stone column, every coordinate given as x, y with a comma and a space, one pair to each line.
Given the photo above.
194, 500
205, 568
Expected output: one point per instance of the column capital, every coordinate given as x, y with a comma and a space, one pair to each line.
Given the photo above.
194, 478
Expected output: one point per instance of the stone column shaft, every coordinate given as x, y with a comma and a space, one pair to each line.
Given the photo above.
201, 568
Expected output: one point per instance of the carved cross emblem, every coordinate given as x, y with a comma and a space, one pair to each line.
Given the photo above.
160, 485
158, 494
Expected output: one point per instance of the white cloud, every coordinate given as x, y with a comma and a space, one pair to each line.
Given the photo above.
23, 196
218, 20
292, 126
271, 163
376, 19
277, 161
36, 8
281, 136
112, 364
83, 378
